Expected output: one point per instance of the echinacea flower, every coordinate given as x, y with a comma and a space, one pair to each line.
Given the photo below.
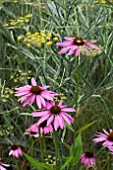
77, 45
31, 92
3, 166
56, 114
44, 129
88, 159
106, 138
15, 151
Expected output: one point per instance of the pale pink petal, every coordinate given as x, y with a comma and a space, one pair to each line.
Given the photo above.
92, 45
68, 110
44, 87
38, 101
23, 98
20, 89
10, 153
69, 38
32, 99
2, 168
61, 121
22, 93
5, 165
33, 82
64, 44
46, 96
63, 50
60, 103
68, 119
50, 119
105, 132
38, 114
52, 103
77, 52
56, 123
42, 101
42, 119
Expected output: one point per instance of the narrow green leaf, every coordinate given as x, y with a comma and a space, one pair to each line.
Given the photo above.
77, 148
38, 165
66, 163
85, 127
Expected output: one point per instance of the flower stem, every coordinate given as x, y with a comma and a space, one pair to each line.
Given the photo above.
77, 92
109, 162
41, 146
56, 149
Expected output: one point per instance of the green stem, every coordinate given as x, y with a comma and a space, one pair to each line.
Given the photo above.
41, 146
56, 149
109, 162
77, 92
77, 98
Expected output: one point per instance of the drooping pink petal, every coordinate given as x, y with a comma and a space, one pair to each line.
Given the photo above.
56, 123
46, 96
77, 52
92, 45
42, 119
61, 121
32, 98
38, 101
42, 100
50, 119
68, 119
63, 50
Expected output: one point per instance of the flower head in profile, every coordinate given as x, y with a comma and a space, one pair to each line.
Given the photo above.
88, 159
77, 45
44, 129
3, 166
31, 92
55, 114
15, 151
106, 138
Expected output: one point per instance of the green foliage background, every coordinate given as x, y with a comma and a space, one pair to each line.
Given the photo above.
85, 19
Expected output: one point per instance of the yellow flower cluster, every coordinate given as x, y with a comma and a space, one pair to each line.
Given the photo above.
6, 94
103, 1
20, 76
50, 160
6, 131
20, 20
38, 39
60, 97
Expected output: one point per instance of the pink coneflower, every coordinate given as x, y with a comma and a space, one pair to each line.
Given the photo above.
106, 138
77, 45
31, 92
3, 166
15, 151
44, 129
88, 159
55, 113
